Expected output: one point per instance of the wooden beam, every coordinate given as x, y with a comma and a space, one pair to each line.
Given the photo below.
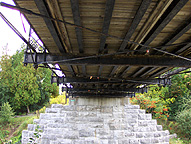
152, 20
181, 50
77, 21
108, 15
113, 71
182, 30
71, 70
50, 25
135, 60
139, 15
168, 15
100, 70
162, 70
150, 70
126, 70
84, 70
139, 72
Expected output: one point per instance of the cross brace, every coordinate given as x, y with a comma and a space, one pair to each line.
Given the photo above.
106, 90
64, 80
136, 60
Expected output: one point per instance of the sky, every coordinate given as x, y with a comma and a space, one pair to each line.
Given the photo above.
7, 36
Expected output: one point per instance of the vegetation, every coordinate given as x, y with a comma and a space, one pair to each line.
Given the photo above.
24, 87
6, 113
170, 105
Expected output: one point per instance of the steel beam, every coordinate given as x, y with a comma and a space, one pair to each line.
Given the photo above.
168, 15
136, 60
108, 15
50, 25
109, 95
140, 13
96, 80
77, 21
182, 30
118, 90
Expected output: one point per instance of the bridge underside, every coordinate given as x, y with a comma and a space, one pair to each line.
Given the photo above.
109, 47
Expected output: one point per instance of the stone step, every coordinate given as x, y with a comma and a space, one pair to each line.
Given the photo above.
97, 124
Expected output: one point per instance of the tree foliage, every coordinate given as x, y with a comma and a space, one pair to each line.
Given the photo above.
23, 86
6, 112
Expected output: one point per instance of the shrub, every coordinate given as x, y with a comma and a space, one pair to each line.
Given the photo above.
154, 105
184, 120
61, 99
6, 113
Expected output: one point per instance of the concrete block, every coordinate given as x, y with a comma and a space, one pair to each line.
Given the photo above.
36, 121
143, 123
134, 141
123, 141
132, 111
81, 108
148, 116
30, 127
154, 140
132, 107
56, 106
140, 135
145, 141
70, 134
129, 135
46, 116
53, 110
159, 127
157, 134
68, 108
87, 132
141, 116
141, 111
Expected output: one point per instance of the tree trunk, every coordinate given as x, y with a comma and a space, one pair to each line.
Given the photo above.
28, 110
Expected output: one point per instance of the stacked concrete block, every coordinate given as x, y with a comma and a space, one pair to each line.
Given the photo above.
97, 124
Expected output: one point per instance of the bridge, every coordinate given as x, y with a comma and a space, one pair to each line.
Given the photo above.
108, 48
104, 51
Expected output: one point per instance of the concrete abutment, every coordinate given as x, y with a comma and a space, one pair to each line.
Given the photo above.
97, 121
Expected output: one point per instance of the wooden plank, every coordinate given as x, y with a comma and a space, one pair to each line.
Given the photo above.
77, 21
140, 13
149, 24
107, 18
168, 15
100, 70
150, 70
126, 70
182, 30
139, 72
84, 70
113, 71
43, 10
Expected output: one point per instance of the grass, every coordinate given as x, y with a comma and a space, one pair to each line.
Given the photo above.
13, 130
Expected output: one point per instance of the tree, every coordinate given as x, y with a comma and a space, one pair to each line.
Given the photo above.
24, 86
6, 112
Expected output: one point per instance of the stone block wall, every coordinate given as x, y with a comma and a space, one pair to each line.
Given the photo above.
85, 122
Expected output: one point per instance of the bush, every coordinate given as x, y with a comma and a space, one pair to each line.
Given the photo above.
61, 99
184, 120
6, 113
154, 105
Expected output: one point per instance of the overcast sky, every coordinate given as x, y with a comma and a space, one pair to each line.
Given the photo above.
7, 36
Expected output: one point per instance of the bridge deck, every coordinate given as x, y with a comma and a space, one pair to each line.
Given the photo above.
135, 28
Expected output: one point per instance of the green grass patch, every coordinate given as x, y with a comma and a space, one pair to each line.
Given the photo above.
13, 130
